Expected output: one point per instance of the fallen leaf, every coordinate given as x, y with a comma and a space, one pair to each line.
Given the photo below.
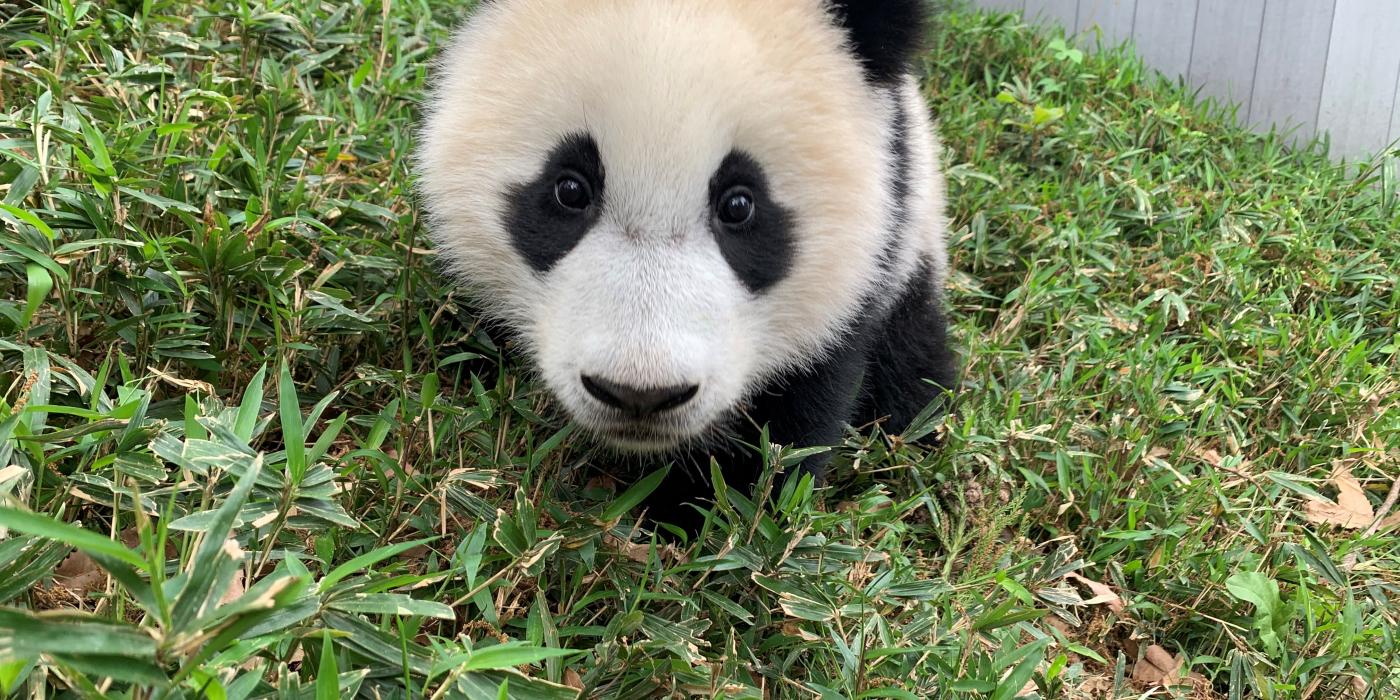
1211, 457
641, 551
1158, 668
1352, 510
80, 575
186, 384
1358, 685
1030, 689
572, 679
601, 482
636, 551
235, 589
12, 473
1392, 522
1103, 594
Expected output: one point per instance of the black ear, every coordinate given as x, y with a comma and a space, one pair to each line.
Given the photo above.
884, 33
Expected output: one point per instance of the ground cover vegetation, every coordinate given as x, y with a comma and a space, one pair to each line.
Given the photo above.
252, 445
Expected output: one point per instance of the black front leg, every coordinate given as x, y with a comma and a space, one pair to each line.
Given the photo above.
811, 408
909, 351
807, 408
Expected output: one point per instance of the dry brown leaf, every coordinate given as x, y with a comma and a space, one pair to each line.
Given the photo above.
235, 589
1103, 594
1029, 690
636, 551
1158, 668
1060, 624
1358, 685
80, 575
601, 482
572, 679
1352, 510
12, 473
186, 384
1392, 522
1211, 457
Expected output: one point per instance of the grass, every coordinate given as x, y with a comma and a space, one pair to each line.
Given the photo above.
292, 464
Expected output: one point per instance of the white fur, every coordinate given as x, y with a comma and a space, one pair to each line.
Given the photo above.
667, 88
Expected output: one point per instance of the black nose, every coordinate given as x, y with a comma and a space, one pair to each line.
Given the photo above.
639, 403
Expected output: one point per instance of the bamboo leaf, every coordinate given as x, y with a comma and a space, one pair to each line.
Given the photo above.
86, 540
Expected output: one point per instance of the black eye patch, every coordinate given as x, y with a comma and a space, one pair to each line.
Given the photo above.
543, 227
759, 248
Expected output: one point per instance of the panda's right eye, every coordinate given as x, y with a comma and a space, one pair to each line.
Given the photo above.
572, 193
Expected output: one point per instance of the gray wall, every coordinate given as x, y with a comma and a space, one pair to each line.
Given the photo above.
1318, 65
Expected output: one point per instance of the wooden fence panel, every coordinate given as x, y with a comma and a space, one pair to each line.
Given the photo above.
1113, 17
1226, 49
1062, 12
1363, 63
1164, 32
1292, 63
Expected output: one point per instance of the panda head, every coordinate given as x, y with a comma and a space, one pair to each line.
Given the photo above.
671, 202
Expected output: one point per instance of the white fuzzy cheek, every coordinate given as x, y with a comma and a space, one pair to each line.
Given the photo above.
655, 314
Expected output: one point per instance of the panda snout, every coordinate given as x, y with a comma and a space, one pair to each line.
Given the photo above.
637, 402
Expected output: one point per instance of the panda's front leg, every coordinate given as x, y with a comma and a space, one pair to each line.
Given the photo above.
803, 408
811, 407
911, 364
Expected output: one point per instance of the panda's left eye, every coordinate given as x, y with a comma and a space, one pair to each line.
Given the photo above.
572, 192
736, 206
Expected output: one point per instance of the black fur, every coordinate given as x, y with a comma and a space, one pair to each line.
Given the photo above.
761, 251
542, 231
888, 368
896, 238
908, 350
804, 408
885, 34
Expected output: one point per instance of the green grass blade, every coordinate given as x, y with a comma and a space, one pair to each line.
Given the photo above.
293, 434
249, 408
367, 560
511, 655
328, 674
85, 540
633, 497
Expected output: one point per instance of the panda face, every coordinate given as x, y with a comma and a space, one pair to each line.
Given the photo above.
670, 202
645, 324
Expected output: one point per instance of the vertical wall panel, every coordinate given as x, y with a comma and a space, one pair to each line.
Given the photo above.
1292, 60
1227, 48
1113, 17
1395, 119
1163, 32
1358, 92
1063, 12
1004, 5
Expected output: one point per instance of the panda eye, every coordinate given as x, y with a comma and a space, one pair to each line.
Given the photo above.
736, 207
572, 193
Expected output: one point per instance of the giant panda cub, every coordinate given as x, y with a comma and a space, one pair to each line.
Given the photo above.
699, 217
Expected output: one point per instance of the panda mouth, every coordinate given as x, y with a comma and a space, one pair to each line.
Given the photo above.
641, 436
